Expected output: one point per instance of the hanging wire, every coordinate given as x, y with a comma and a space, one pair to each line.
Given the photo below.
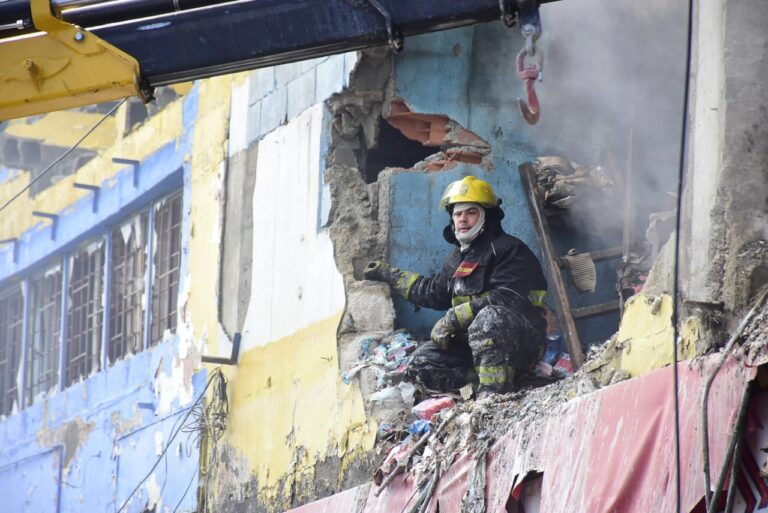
676, 272
61, 157
207, 423
191, 480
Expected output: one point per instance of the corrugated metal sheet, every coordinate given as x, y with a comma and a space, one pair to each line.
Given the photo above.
348, 501
610, 451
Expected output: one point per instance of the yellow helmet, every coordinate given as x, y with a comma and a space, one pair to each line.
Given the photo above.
471, 190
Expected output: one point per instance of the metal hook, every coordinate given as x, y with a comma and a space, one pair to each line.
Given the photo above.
530, 109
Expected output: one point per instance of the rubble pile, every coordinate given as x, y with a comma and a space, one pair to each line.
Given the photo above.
755, 335
422, 432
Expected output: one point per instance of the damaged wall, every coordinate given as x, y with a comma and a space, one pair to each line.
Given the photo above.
725, 253
89, 446
451, 92
593, 119
296, 431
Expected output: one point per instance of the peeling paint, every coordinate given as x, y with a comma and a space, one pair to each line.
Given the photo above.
71, 435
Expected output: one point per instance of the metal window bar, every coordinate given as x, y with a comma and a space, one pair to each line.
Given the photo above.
84, 312
23, 372
11, 332
167, 263
42, 355
106, 306
128, 266
64, 328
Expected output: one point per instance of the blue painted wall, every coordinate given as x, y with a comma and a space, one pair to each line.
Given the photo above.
469, 74
416, 226
86, 448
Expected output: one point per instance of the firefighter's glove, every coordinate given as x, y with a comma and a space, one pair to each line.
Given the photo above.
377, 270
445, 329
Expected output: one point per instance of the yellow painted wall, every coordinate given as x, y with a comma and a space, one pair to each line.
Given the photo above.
160, 129
289, 395
208, 161
64, 128
644, 341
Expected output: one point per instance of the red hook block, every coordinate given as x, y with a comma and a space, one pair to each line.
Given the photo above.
528, 74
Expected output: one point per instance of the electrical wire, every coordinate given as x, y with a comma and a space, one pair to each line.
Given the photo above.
676, 272
191, 480
708, 387
216, 375
61, 157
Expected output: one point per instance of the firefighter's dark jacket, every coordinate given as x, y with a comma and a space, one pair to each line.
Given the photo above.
497, 269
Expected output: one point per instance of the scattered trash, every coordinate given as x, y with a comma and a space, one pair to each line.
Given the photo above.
407, 390
386, 427
388, 406
419, 427
466, 392
554, 348
427, 409
543, 370
351, 373
563, 366
389, 357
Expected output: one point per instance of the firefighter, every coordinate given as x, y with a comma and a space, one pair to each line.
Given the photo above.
493, 289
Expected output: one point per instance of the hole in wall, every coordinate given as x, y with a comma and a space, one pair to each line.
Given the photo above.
392, 149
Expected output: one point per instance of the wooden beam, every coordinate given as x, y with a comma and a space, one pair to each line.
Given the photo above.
557, 287
593, 310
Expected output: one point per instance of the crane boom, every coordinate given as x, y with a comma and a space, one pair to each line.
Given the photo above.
220, 37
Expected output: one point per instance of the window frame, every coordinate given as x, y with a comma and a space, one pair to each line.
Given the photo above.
63, 264
12, 347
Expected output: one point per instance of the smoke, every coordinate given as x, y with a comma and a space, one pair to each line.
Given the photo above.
613, 91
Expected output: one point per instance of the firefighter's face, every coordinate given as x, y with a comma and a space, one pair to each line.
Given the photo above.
466, 219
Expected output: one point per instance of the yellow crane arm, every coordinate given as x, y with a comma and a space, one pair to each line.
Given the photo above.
61, 66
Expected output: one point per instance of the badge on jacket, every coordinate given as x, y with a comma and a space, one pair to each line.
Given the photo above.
465, 269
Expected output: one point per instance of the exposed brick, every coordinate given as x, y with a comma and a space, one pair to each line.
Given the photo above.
431, 129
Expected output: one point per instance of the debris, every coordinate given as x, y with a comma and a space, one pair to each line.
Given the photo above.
427, 409
388, 406
544, 369
351, 373
407, 390
389, 358
474, 499
366, 346
554, 348
563, 367
563, 181
466, 392
619, 375
401, 464
391, 462
419, 427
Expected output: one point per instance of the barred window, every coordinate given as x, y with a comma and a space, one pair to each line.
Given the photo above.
85, 311
167, 263
121, 296
11, 331
128, 264
44, 331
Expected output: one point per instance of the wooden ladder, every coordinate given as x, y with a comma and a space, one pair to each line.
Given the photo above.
554, 265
